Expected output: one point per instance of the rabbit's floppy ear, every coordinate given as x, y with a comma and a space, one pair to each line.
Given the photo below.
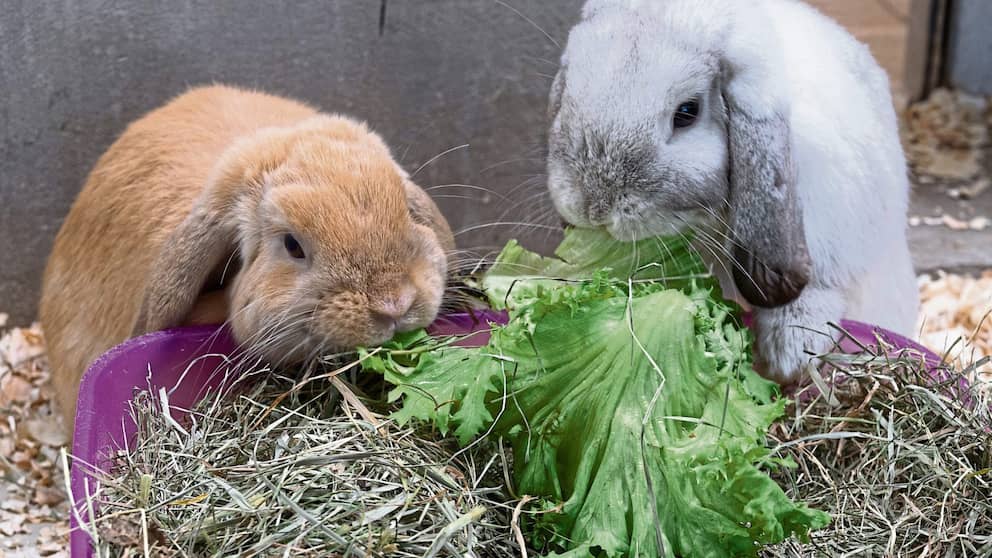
425, 212
208, 236
201, 243
766, 221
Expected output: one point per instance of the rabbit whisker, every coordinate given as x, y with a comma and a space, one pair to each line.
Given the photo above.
436, 157
530, 21
505, 224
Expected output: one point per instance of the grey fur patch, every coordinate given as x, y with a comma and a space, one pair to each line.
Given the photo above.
606, 165
615, 166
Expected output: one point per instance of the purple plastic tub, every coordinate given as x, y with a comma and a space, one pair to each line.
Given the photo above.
186, 362
189, 362
182, 361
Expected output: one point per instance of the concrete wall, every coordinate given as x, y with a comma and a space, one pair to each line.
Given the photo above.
442, 73
969, 55
437, 75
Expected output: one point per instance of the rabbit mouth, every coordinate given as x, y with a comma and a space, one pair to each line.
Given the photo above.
291, 349
634, 227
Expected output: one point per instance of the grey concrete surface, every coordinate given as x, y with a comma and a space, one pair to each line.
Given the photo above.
970, 46
440, 74
940, 248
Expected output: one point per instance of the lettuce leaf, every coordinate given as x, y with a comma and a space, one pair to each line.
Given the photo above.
519, 274
630, 404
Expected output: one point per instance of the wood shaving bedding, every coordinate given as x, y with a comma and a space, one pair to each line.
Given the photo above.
944, 136
956, 316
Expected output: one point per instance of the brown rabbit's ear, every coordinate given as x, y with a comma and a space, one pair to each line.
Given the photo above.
201, 243
425, 212
208, 236
766, 221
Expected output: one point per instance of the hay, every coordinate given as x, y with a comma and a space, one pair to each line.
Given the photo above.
295, 469
902, 461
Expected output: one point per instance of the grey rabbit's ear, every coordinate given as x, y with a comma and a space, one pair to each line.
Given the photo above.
198, 246
766, 221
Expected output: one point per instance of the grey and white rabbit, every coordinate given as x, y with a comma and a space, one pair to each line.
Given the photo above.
766, 129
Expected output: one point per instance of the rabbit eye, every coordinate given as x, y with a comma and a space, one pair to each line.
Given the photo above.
686, 114
293, 247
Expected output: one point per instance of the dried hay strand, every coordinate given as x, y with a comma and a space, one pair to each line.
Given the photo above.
287, 469
901, 460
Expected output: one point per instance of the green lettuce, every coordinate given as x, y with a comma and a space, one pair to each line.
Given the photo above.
629, 400
520, 274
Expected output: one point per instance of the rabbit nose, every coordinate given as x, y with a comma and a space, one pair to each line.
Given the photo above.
392, 309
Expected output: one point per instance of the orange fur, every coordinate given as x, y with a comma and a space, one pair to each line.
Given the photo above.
219, 172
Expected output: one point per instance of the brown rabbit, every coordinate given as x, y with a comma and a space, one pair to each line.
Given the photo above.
296, 227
